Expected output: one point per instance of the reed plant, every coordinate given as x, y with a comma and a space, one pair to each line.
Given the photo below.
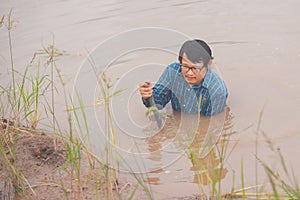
20, 101
25, 100
15, 181
10, 25
281, 189
279, 186
209, 168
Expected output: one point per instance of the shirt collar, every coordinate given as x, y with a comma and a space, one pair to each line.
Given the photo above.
207, 78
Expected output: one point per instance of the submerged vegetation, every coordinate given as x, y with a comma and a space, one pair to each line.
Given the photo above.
29, 99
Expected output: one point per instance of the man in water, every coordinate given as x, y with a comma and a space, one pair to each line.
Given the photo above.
189, 84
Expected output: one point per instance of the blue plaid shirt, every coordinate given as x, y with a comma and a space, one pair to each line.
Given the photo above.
172, 86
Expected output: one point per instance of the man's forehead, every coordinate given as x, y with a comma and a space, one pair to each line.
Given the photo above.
186, 60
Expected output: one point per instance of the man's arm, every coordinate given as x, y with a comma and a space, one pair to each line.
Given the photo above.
161, 92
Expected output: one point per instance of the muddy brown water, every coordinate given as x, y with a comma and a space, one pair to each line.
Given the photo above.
255, 45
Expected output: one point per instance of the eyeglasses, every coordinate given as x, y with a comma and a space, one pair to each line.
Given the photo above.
186, 68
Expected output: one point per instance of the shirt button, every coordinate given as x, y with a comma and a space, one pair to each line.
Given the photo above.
183, 105
189, 89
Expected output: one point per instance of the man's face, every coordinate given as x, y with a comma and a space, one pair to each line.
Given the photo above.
192, 72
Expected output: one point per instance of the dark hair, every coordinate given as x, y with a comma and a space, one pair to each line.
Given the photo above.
195, 51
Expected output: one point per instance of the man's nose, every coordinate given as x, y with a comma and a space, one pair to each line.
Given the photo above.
190, 71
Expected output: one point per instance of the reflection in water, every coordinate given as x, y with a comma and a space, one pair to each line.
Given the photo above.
153, 180
208, 169
198, 145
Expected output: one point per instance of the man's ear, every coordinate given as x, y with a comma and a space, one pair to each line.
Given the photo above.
209, 63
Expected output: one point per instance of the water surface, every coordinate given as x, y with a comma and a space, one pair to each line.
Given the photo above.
255, 45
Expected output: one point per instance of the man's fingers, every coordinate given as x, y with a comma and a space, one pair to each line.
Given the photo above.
145, 89
146, 85
146, 94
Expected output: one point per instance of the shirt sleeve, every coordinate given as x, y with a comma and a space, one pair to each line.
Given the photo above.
162, 91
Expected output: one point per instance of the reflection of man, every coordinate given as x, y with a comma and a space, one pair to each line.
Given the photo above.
207, 163
208, 170
189, 82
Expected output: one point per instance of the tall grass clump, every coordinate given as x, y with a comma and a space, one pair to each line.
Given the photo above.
110, 165
279, 185
281, 188
20, 109
209, 167
14, 180
109, 161
50, 55
25, 100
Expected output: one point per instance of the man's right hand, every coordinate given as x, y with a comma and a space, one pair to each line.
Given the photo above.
145, 90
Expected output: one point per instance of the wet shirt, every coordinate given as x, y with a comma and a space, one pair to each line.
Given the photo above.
172, 86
